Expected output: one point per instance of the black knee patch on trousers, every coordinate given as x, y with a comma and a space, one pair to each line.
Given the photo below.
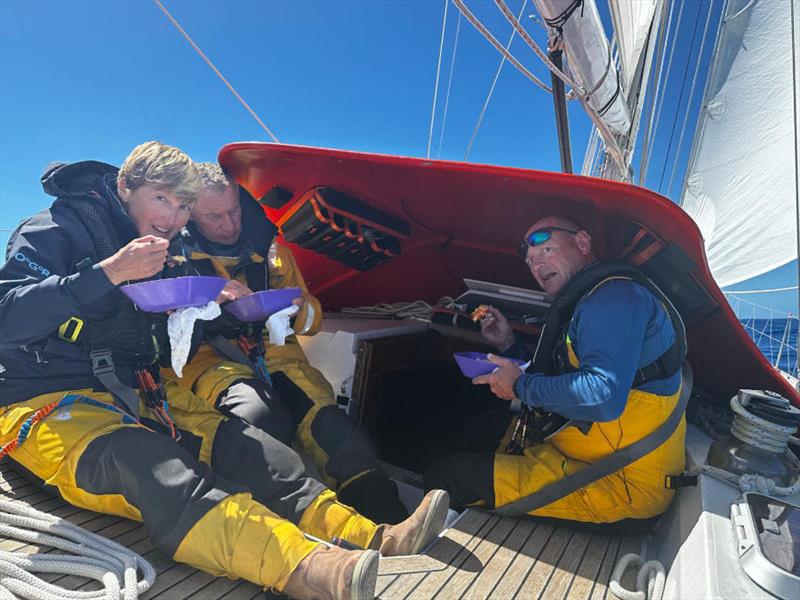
171, 489
350, 450
257, 403
272, 471
468, 476
374, 496
295, 399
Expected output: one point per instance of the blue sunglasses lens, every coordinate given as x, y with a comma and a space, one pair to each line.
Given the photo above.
539, 237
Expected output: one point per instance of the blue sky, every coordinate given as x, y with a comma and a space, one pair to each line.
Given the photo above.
81, 80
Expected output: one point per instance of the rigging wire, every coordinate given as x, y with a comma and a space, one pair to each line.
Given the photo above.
657, 119
611, 145
215, 69
436, 85
691, 95
538, 51
491, 88
680, 97
796, 159
449, 85
662, 51
780, 289
493, 41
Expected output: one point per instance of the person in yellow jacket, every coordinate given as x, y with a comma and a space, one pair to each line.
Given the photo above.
232, 237
610, 356
83, 411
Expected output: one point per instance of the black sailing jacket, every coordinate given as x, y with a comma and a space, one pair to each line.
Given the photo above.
51, 274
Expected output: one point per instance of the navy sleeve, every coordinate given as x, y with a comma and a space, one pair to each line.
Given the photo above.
607, 333
38, 288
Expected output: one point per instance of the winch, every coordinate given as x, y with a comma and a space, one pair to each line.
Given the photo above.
763, 424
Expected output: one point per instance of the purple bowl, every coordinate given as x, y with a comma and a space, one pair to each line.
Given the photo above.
262, 305
160, 295
474, 364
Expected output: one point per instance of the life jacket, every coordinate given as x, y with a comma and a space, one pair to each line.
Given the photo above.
644, 411
124, 342
554, 350
249, 264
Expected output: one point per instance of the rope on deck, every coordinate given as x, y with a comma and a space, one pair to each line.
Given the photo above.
85, 554
650, 579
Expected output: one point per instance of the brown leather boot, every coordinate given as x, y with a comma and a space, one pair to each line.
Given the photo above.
418, 530
332, 573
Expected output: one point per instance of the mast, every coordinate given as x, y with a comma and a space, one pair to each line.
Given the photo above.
560, 106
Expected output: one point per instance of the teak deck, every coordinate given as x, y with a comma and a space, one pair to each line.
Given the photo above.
480, 556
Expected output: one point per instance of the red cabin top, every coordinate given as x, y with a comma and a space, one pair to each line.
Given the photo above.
466, 220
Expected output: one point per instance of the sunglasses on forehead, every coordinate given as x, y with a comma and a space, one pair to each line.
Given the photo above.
539, 237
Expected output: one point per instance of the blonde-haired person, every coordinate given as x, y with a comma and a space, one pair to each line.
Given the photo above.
162, 167
81, 408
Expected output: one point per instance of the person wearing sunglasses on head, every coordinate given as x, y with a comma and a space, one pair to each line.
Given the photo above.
608, 360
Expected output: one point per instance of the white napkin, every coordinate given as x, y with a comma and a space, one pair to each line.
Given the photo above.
180, 325
278, 325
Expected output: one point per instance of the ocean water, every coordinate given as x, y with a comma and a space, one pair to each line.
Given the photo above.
768, 335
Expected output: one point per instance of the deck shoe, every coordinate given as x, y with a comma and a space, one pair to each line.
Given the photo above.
332, 573
418, 530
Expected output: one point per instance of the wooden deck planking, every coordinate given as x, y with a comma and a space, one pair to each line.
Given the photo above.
583, 582
523, 562
488, 579
433, 583
407, 573
462, 579
486, 556
481, 556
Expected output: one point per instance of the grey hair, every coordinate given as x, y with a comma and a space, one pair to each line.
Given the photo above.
214, 177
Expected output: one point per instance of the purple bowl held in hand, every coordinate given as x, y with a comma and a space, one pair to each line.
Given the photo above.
160, 295
262, 305
475, 364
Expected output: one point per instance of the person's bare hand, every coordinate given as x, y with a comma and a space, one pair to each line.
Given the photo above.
233, 290
299, 301
502, 380
496, 330
138, 259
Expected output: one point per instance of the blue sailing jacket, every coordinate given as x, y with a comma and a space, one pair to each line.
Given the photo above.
615, 330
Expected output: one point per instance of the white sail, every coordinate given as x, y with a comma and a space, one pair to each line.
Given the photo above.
631, 24
589, 56
740, 184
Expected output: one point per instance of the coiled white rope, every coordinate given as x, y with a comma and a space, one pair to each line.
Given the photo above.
91, 556
759, 432
650, 579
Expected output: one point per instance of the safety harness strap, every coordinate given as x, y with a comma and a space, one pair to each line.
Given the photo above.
605, 466
103, 369
230, 350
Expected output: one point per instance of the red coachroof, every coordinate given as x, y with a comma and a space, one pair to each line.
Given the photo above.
466, 221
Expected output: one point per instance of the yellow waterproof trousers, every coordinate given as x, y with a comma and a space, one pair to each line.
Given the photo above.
100, 459
636, 492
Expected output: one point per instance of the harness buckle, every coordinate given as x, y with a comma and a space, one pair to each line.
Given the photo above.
674, 482
101, 361
70, 329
